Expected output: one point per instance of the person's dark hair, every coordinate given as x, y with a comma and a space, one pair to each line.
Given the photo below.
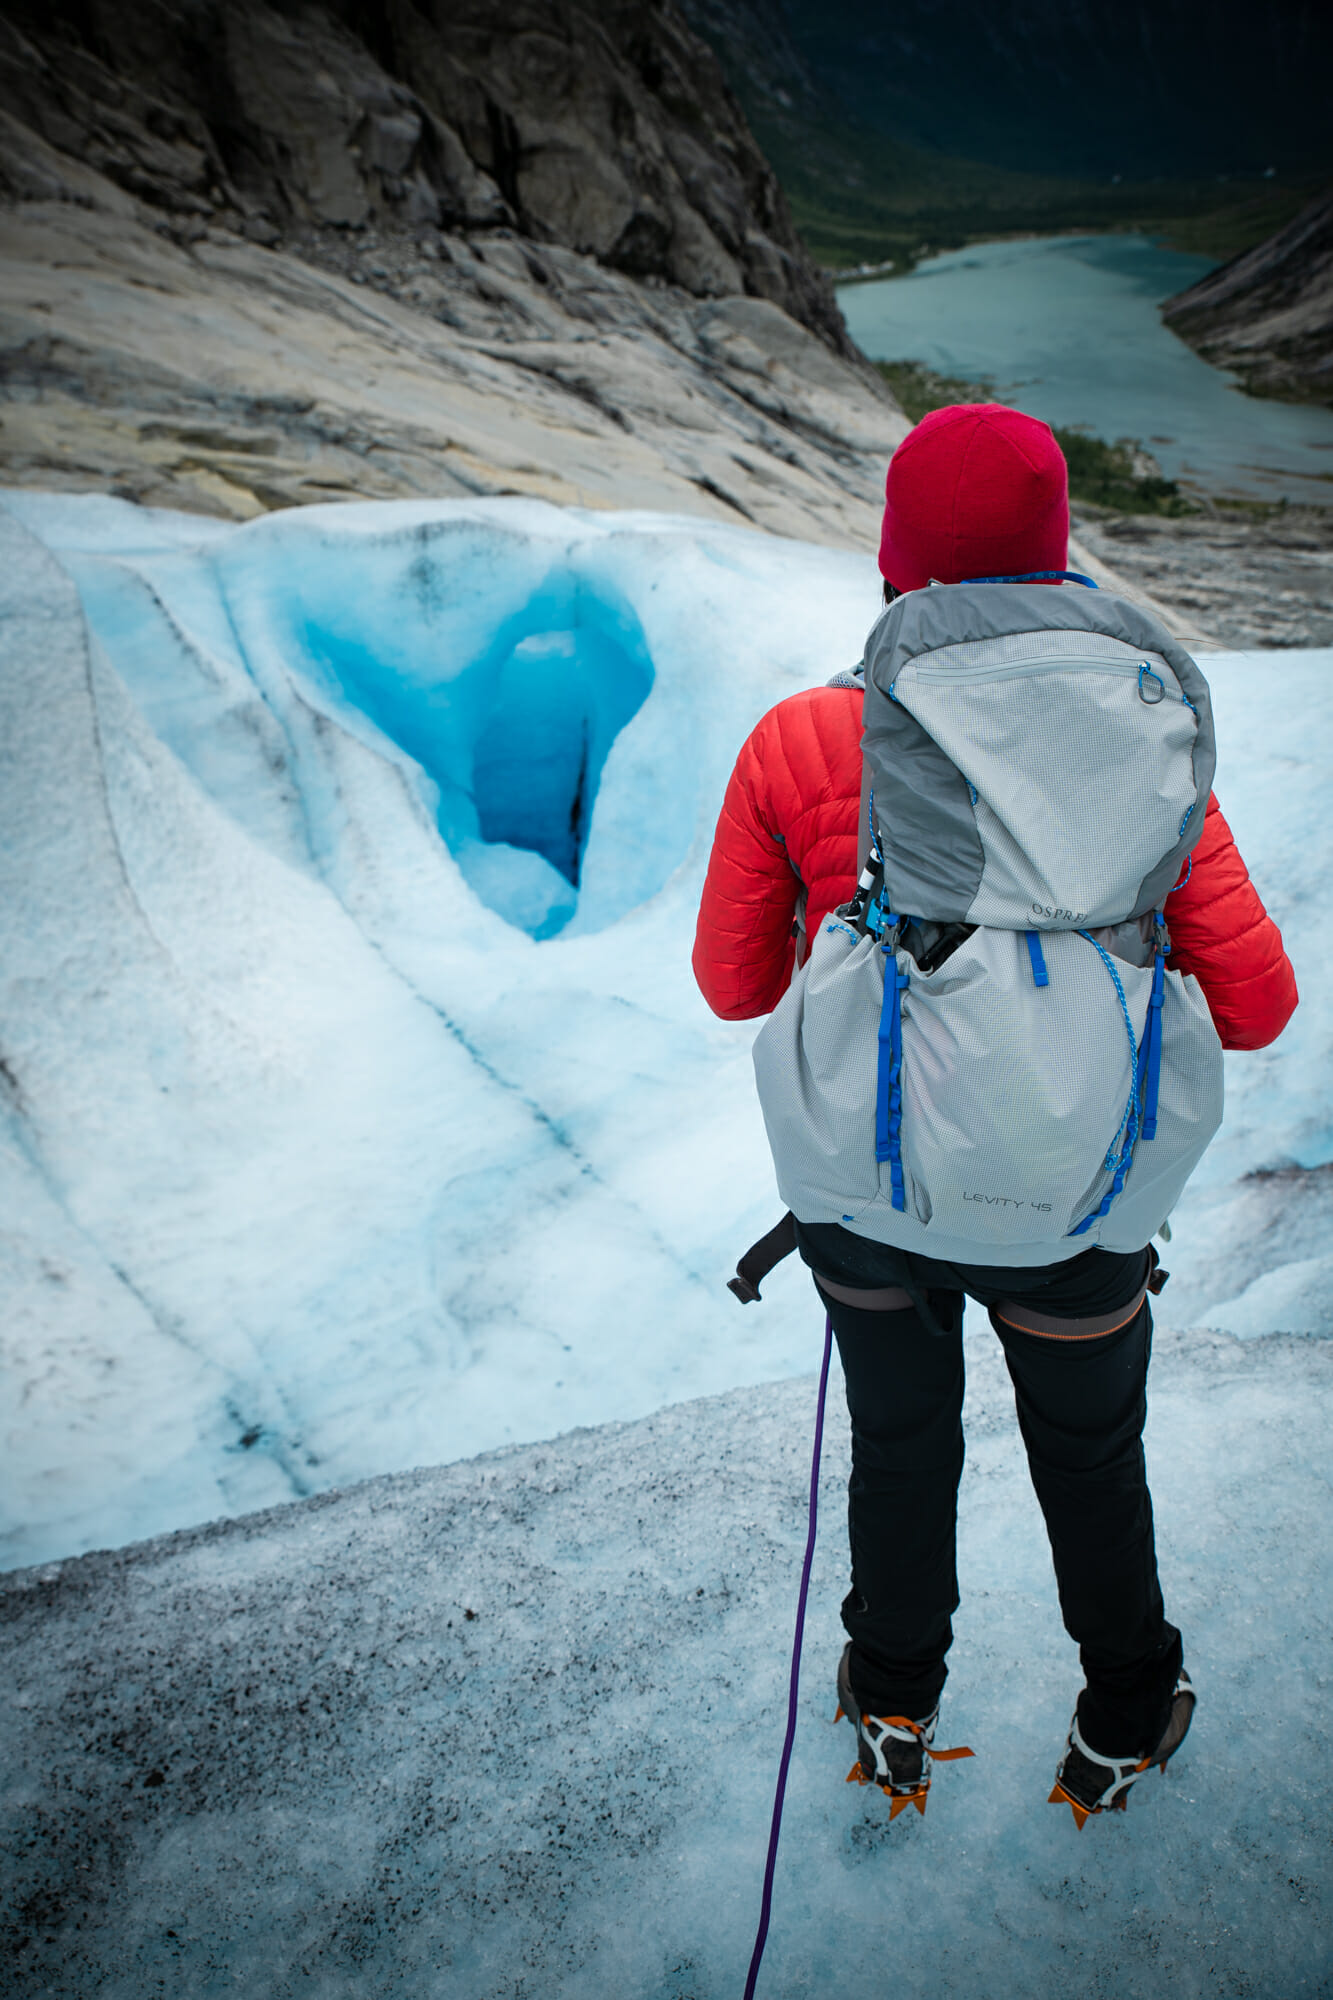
889, 592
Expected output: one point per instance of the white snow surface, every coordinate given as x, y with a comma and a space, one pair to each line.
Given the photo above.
358, 1110
507, 1730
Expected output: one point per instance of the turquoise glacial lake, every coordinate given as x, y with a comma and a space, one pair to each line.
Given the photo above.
1067, 328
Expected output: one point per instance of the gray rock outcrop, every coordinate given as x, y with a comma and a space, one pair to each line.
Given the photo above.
1249, 582
255, 256
228, 378
1269, 313
605, 129
258, 255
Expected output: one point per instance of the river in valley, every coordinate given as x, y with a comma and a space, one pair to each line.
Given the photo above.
1067, 328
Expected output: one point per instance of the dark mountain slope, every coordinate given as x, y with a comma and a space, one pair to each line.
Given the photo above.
606, 128
1145, 88
897, 129
256, 254
1269, 313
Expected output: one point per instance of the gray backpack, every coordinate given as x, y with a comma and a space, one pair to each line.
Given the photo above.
985, 1057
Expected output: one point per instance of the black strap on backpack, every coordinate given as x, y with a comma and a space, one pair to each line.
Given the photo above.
760, 1259
769, 1251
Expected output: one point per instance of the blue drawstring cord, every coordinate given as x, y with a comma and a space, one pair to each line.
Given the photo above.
889, 1076
1150, 1063
876, 851
1117, 1164
1145, 1070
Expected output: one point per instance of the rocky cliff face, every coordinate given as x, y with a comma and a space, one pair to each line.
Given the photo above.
605, 128
1269, 313
258, 254
229, 378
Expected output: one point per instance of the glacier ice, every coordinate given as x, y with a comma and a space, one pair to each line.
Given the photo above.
352, 1120
507, 1729
492, 666
358, 1108
496, 663
352, 1173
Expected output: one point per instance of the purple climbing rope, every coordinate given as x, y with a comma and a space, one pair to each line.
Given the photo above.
775, 1830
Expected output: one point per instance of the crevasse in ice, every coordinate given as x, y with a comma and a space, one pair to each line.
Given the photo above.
504, 679
510, 714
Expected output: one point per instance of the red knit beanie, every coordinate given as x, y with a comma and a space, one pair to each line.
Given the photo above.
975, 490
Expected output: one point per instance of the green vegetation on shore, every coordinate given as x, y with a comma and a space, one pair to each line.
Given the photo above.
858, 197
1100, 474
907, 224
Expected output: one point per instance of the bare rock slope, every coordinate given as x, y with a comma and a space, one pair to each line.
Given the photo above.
1269, 313
1250, 582
605, 128
229, 378
256, 256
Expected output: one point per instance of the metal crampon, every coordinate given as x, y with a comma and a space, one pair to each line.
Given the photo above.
896, 1754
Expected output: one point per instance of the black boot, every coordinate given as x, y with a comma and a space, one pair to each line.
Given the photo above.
1089, 1783
893, 1752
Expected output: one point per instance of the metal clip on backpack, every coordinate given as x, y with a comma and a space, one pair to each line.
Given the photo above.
986, 1058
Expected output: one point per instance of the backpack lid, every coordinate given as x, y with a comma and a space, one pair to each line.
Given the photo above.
1039, 756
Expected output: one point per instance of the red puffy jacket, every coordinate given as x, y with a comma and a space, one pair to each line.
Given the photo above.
790, 817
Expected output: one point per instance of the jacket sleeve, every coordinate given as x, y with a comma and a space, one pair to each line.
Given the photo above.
743, 945
1221, 932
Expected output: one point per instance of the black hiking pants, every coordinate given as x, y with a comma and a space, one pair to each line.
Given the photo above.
1081, 1407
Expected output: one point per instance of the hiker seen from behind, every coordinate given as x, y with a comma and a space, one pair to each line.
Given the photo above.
983, 889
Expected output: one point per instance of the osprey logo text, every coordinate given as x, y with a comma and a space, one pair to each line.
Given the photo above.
1058, 916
